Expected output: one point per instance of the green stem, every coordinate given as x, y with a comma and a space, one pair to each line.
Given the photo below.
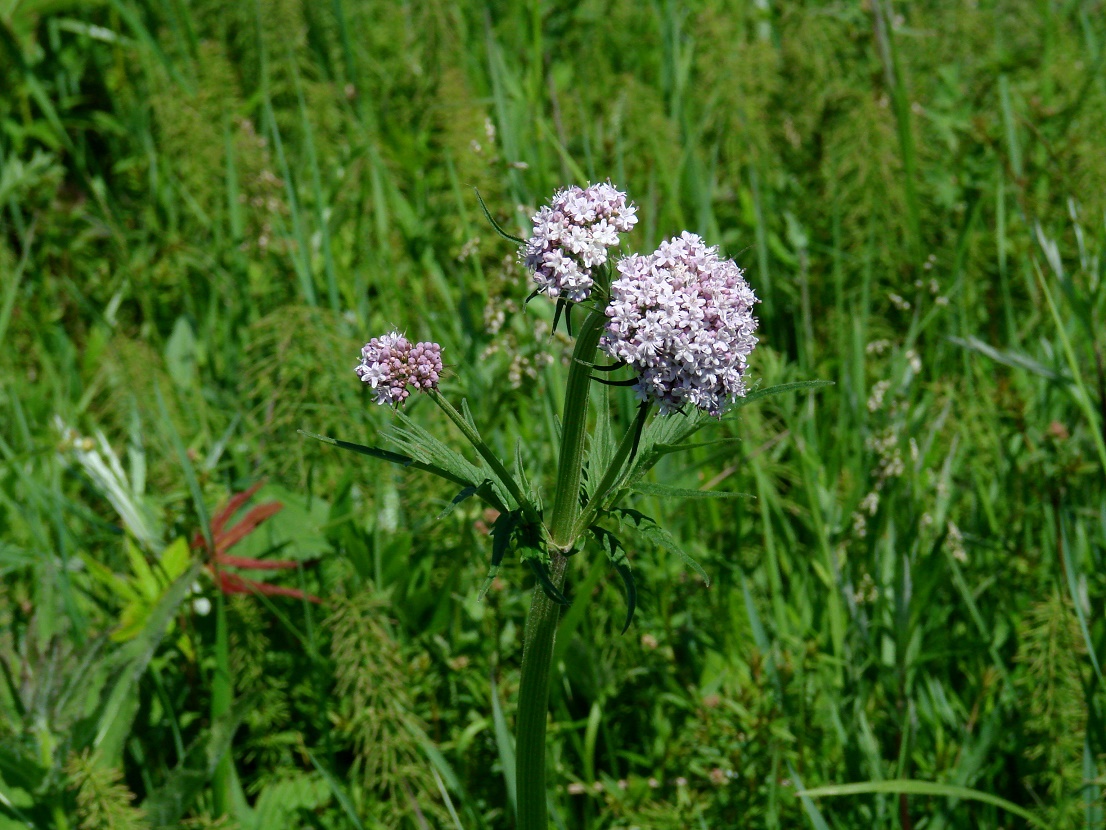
541, 623
533, 701
566, 499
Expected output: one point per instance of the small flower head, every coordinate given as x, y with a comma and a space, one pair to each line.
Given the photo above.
571, 237
389, 363
683, 320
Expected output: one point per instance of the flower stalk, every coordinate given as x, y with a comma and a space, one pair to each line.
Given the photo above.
570, 464
541, 622
533, 700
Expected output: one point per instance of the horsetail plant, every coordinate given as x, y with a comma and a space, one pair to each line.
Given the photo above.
680, 320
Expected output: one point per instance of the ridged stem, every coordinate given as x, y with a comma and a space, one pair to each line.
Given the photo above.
566, 499
541, 623
533, 701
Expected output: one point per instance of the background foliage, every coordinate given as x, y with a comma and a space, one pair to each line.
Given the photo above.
205, 209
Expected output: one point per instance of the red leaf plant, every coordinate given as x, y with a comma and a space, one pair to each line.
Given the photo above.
224, 538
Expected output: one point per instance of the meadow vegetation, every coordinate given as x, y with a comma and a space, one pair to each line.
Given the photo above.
206, 209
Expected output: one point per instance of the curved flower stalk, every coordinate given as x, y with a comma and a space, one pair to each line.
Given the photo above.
681, 319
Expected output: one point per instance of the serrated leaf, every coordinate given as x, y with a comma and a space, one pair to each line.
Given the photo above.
609, 543
621, 462
384, 455
658, 436
623, 569
541, 571
664, 491
635, 518
616, 553
425, 447
663, 435
662, 538
460, 497
652, 532
779, 389
466, 475
502, 532
665, 449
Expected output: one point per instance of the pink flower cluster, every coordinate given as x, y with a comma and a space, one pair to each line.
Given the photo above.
683, 320
571, 237
390, 363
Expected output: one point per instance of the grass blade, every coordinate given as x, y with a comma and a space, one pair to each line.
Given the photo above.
505, 744
909, 787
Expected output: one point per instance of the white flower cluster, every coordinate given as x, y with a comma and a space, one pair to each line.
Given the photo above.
571, 237
683, 320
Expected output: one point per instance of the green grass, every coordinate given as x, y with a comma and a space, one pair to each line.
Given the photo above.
205, 210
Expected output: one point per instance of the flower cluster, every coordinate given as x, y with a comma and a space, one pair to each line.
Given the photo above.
390, 363
683, 320
571, 237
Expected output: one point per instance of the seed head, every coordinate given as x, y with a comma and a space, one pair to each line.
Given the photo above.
571, 237
683, 319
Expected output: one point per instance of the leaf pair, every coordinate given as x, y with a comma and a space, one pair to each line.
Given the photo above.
512, 529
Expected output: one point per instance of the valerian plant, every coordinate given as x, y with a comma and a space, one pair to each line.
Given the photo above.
677, 325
